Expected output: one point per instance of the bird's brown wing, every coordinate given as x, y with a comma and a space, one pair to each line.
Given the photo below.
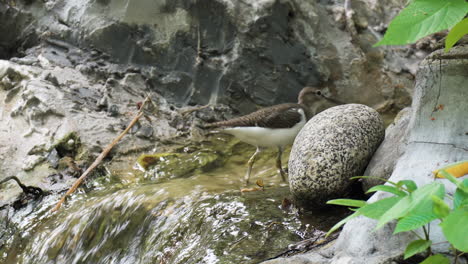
286, 118
278, 116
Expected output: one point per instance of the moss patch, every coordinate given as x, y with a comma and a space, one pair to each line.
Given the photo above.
69, 145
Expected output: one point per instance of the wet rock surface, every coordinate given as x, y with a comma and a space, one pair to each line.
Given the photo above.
333, 146
239, 53
51, 113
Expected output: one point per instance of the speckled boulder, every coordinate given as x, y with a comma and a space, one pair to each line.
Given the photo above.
332, 147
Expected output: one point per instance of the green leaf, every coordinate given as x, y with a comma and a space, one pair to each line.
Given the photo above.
400, 209
465, 183
413, 221
421, 18
459, 197
463, 186
423, 210
377, 209
456, 33
342, 222
460, 184
441, 209
454, 228
464, 203
410, 185
416, 246
387, 188
418, 201
436, 259
348, 202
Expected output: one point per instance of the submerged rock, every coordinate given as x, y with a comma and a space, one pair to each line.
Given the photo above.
332, 147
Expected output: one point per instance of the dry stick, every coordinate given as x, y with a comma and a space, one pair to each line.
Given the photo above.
100, 157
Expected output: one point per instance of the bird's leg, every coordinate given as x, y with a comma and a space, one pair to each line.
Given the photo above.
250, 164
278, 164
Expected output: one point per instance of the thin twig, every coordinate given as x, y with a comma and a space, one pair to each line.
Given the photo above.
198, 108
100, 157
438, 243
313, 244
426, 234
416, 234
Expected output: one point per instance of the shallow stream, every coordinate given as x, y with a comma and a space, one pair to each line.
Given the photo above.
174, 212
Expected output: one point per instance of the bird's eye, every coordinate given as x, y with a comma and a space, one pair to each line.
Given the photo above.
318, 92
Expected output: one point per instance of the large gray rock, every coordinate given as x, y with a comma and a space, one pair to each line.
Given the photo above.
332, 147
437, 137
392, 148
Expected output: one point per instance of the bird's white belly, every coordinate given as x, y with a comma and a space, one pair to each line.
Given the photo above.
266, 137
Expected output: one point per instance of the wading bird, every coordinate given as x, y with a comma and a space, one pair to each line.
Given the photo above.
275, 126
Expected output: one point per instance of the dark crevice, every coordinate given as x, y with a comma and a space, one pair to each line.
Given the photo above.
439, 143
436, 102
17, 32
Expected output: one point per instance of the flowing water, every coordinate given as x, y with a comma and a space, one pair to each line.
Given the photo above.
175, 212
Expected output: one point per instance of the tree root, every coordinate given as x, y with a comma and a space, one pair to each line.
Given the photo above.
35, 191
306, 245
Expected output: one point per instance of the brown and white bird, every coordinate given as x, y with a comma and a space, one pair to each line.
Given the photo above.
275, 126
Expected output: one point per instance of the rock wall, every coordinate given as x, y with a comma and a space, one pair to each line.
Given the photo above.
384, 160
241, 53
437, 137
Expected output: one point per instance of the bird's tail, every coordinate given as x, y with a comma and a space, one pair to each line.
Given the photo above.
206, 125
216, 125
212, 128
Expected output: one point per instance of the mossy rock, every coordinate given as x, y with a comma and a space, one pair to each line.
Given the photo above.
148, 160
195, 157
68, 145
179, 164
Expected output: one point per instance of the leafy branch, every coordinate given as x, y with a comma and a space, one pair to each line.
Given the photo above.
414, 208
424, 17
